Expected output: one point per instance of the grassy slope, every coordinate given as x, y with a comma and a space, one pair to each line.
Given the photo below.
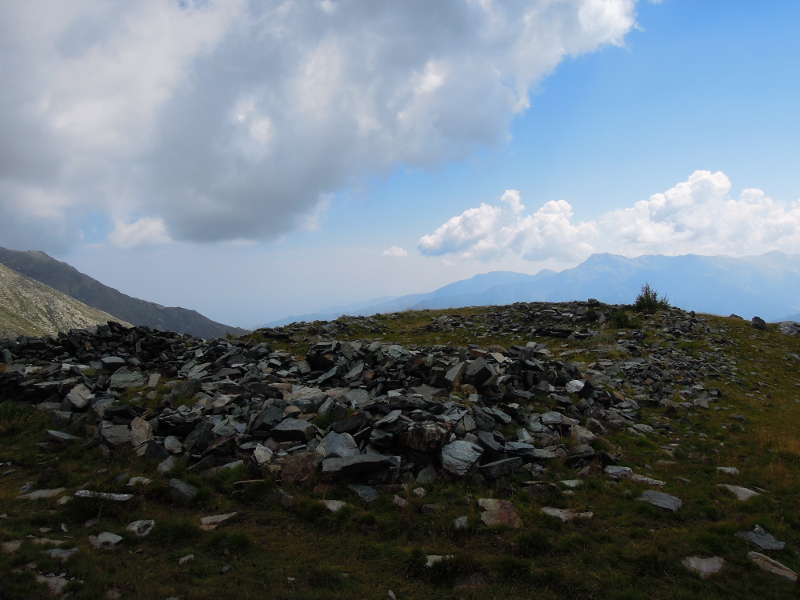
628, 550
31, 308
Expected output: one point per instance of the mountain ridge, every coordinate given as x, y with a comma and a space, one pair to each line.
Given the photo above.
767, 285
65, 278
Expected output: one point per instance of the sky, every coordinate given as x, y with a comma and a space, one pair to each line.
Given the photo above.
253, 160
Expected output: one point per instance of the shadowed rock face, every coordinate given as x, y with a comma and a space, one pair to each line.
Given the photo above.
68, 280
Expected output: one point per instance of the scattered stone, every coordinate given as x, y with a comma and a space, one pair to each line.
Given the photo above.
134, 481
61, 553
166, 465
210, 523
432, 559
728, 470
761, 538
105, 540
141, 528
37, 494
705, 567
741, 493
398, 501
773, 566
103, 496
499, 512
566, 514
366, 493
661, 500
55, 583
184, 559
182, 490
335, 505
461, 522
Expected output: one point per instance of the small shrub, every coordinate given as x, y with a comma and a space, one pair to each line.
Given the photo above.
324, 577
649, 301
621, 320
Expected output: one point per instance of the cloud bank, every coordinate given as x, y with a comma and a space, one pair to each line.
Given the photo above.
697, 216
231, 120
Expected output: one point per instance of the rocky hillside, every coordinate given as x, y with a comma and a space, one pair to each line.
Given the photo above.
578, 449
31, 308
68, 280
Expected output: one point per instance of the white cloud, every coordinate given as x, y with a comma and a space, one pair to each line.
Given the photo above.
697, 216
395, 251
494, 232
143, 232
229, 120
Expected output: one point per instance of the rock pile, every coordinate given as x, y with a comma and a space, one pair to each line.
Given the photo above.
359, 411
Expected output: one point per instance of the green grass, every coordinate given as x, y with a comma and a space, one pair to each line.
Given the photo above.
628, 550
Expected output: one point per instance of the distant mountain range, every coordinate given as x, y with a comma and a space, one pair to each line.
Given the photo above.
68, 280
767, 285
31, 308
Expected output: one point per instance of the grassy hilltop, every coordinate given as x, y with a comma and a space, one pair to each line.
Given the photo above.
746, 419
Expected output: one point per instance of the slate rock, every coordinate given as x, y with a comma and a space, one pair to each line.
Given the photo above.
566, 514
80, 396
105, 540
773, 566
758, 323
352, 466
300, 467
500, 468
338, 445
141, 528
661, 500
761, 538
460, 456
364, 492
126, 379
741, 493
293, 430
182, 491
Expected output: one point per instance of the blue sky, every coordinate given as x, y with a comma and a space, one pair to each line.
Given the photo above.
219, 172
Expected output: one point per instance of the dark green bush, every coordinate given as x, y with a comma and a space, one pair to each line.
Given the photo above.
649, 300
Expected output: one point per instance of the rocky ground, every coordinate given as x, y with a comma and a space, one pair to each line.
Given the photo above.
576, 448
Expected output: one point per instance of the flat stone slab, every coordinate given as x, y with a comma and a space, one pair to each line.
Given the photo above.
741, 493
432, 559
103, 496
293, 430
141, 528
761, 538
210, 523
105, 540
705, 567
36, 494
772, 566
636, 478
566, 514
499, 512
60, 437
661, 500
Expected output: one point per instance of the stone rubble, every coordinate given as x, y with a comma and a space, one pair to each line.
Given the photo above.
371, 413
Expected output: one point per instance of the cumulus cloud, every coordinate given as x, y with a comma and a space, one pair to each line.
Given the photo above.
143, 232
494, 232
395, 251
698, 216
234, 119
